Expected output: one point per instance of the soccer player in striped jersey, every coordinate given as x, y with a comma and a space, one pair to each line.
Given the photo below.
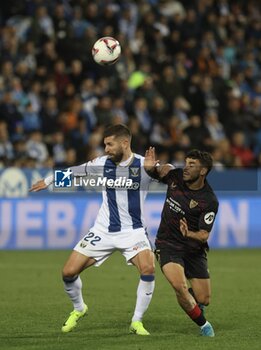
119, 225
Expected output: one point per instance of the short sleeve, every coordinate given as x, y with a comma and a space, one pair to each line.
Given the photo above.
95, 166
208, 216
92, 167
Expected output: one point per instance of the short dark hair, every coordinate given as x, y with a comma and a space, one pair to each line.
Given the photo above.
117, 130
204, 158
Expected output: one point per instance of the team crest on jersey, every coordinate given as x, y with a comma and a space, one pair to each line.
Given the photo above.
83, 244
135, 172
193, 204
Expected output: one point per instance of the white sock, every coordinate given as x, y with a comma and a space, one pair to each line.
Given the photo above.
144, 295
204, 324
74, 291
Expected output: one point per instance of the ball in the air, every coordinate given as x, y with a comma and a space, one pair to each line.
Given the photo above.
106, 51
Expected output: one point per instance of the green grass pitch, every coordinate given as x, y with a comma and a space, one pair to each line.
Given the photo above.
33, 305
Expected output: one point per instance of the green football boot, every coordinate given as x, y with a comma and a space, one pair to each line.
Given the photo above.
137, 328
72, 320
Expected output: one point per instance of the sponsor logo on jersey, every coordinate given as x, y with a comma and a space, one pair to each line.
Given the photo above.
140, 245
192, 204
175, 206
173, 185
209, 217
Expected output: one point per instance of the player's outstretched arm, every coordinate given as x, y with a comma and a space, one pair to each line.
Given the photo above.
38, 186
152, 166
78, 170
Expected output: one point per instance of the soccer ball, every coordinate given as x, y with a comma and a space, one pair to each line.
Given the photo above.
106, 51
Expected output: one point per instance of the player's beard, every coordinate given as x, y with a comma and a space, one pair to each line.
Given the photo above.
117, 157
192, 180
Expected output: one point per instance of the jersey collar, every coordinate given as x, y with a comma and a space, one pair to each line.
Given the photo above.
127, 161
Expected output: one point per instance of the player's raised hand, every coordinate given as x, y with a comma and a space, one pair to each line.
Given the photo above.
38, 186
150, 159
183, 227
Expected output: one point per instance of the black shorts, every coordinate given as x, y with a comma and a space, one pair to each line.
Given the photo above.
195, 264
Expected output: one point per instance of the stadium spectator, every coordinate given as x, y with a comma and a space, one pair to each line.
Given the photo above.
240, 149
58, 149
118, 110
20, 152
159, 136
60, 77
76, 74
226, 157
34, 96
159, 110
79, 23
181, 108
6, 147
10, 114
198, 133
103, 111
169, 86
31, 119
142, 114
49, 115
41, 26
36, 148
215, 128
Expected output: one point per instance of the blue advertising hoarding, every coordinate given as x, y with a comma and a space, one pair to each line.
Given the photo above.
49, 223
51, 220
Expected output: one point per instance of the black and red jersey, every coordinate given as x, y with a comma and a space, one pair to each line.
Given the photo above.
199, 207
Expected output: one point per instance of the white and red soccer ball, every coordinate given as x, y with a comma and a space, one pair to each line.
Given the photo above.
106, 51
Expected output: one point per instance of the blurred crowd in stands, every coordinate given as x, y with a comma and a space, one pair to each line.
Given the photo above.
189, 77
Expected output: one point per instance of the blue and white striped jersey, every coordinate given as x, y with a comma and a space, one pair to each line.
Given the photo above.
122, 208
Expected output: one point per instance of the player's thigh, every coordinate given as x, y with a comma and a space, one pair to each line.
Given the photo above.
96, 246
174, 272
196, 265
171, 263
76, 263
144, 261
202, 289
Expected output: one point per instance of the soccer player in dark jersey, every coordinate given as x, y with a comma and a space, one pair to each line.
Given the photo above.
186, 221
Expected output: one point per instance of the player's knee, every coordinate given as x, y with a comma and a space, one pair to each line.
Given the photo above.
69, 273
204, 300
147, 269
